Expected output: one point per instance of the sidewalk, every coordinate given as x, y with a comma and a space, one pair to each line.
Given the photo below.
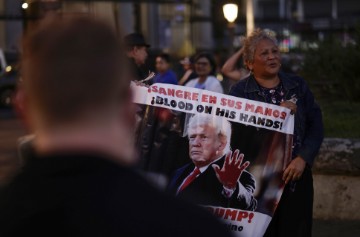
333, 228
337, 188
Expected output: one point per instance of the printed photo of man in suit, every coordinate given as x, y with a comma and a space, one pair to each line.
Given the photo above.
216, 176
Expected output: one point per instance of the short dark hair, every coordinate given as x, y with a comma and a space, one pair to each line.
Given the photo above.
209, 57
71, 65
165, 56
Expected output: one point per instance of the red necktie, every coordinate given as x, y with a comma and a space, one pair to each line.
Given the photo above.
189, 179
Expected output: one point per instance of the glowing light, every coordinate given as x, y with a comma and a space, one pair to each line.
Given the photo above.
8, 68
219, 77
230, 12
25, 5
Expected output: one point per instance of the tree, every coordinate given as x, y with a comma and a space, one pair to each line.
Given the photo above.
333, 68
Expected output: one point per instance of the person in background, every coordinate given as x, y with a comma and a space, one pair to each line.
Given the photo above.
205, 68
189, 73
80, 180
165, 74
293, 215
230, 69
157, 124
136, 51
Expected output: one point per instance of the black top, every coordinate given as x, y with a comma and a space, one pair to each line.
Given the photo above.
206, 189
88, 195
137, 72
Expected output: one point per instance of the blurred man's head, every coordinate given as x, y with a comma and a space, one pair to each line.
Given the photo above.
162, 62
136, 48
209, 138
70, 70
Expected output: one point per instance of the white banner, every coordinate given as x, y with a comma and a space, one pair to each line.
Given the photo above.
242, 223
192, 100
267, 150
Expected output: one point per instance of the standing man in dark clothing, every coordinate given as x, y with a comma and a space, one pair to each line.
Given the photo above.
136, 50
136, 53
79, 181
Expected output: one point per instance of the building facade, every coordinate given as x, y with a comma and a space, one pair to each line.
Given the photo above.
182, 27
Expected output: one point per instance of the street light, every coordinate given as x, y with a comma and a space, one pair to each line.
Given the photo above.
230, 13
25, 5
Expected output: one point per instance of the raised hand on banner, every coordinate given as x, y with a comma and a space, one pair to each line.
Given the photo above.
232, 169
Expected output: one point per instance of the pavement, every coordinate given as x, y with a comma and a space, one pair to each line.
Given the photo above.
336, 228
11, 129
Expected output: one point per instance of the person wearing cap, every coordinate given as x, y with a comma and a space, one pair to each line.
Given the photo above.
136, 50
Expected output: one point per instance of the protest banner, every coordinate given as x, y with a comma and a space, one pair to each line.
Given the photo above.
261, 132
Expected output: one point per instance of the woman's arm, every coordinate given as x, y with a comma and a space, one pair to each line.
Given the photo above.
229, 68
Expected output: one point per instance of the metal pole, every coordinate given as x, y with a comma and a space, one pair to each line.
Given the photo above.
249, 17
231, 27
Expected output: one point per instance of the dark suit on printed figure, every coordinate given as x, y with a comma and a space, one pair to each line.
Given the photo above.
207, 190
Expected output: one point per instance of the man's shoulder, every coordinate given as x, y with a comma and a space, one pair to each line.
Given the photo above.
171, 77
171, 72
107, 194
182, 169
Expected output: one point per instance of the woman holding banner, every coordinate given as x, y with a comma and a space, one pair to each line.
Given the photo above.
293, 216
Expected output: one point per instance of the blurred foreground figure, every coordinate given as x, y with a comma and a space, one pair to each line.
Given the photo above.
79, 181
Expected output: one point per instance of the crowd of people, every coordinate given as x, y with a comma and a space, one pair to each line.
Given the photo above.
78, 181
202, 70
258, 77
